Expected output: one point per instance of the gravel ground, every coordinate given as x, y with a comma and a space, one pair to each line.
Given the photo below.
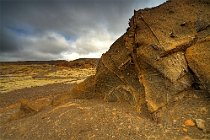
97, 119
33, 93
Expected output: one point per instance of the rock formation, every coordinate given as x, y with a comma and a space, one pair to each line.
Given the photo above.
165, 51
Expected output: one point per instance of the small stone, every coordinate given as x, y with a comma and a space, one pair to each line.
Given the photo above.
174, 121
189, 122
186, 138
92, 136
172, 34
185, 130
114, 113
183, 24
204, 110
200, 123
137, 128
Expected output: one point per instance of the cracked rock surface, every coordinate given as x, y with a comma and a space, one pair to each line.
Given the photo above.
164, 52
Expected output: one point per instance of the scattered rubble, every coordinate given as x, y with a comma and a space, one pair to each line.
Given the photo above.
200, 123
189, 122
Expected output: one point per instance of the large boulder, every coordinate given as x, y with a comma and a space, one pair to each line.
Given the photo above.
165, 51
149, 64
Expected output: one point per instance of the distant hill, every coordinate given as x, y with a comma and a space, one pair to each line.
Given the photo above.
78, 63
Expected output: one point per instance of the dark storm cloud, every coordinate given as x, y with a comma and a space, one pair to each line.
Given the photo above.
69, 16
8, 45
54, 29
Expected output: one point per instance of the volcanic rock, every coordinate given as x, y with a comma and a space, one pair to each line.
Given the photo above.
164, 52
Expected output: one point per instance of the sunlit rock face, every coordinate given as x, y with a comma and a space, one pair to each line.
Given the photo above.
165, 51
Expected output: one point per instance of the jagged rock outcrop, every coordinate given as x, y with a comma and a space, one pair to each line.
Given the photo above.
166, 50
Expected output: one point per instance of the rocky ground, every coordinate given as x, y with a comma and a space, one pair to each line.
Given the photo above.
38, 117
34, 93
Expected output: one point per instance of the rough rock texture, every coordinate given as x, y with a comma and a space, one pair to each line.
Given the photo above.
165, 51
198, 57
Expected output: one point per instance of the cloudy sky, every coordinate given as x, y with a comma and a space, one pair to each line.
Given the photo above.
63, 29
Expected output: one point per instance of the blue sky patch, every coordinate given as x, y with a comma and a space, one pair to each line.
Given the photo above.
20, 30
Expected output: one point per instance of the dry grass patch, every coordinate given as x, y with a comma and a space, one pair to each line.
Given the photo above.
14, 77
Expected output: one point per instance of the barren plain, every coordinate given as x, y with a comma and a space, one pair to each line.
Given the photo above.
13, 77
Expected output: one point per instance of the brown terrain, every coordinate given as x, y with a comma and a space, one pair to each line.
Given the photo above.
153, 83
